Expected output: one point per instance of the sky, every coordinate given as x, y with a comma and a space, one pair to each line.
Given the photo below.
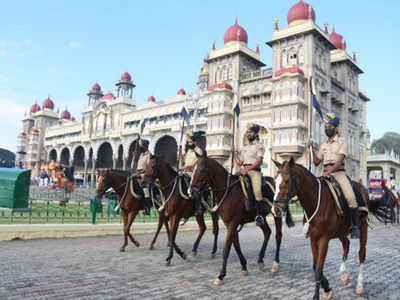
61, 48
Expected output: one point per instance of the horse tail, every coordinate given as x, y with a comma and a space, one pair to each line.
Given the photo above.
289, 218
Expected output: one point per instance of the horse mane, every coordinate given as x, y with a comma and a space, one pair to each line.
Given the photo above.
171, 170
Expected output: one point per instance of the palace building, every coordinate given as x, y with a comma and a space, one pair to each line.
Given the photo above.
277, 97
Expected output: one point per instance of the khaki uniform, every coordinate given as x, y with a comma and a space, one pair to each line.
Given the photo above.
142, 165
329, 153
190, 158
249, 154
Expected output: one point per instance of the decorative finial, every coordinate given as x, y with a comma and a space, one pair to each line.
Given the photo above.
333, 28
213, 45
276, 27
343, 44
326, 28
354, 55
236, 20
258, 48
207, 56
309, 12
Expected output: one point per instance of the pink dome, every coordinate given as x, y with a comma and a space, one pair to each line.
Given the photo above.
235, 33
59, 122
109, 96
22, 134
96, 87
299, 11
181, 92
35, 130
35, 108
48, 103
151, 99
337, 40
73, 119
65, 115
126, 76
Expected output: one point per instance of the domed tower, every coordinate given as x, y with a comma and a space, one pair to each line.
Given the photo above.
125, 86
65, 115
202, 83
299, 13
94, 94
22, 142
48, 104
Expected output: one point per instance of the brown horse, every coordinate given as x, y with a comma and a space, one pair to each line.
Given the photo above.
178, 207
130, 205
322, 218
232, 208
392, 204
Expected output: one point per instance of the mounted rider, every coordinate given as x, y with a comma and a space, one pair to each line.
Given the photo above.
250, 161
139, 165
188, 161
332, 154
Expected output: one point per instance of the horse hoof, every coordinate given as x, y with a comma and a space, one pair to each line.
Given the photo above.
261, 266
121, 249
328, 295
346, 281
212, 255
184, 256
168, 263
244, 273
217, 281
275, 267
137, 244
194, 253
359, 291
151, 247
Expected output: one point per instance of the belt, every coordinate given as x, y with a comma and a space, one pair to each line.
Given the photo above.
255, 169
331, 164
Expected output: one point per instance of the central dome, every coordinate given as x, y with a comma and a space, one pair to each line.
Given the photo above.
235, 33
48, 103
300, 11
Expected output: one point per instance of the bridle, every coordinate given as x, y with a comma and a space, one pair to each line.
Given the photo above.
104, 179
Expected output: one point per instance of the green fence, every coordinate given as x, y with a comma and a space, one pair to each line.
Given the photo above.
44, 208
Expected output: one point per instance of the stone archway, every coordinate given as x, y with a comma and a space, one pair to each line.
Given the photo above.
166, 148
79, 158
53, 155
120, 158
65, 156
104, 156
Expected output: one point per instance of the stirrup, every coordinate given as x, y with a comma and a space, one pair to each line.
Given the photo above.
259, 221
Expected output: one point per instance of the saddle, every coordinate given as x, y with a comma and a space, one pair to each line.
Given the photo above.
207, 196
342, 206
267, 191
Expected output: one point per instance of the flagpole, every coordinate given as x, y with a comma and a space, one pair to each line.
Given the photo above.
310, 112
180, 142
233, 140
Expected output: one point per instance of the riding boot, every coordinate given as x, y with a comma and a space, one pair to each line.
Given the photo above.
259, 218
354, 231
198, 209
147, 206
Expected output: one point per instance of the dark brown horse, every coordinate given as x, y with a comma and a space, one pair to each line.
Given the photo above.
392, 205
130, 205
178, 207
232, 208
324, 222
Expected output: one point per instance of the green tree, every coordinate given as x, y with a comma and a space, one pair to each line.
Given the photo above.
389, 141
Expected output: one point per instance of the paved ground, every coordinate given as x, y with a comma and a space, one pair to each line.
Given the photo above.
93, 268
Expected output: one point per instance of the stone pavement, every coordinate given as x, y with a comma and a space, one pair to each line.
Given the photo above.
93, 268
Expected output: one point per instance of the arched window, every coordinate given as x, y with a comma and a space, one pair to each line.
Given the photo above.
292, 57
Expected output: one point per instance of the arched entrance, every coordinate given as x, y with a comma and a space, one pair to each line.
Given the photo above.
90, 159
104, 156
120, 159
79, 158
53, 155
132, 149
167, 148
65, 155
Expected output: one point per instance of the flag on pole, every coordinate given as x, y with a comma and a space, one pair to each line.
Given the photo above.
185, 116
236, 111
142, 125
314, 99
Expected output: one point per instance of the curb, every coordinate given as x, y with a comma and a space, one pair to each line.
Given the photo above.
44, 231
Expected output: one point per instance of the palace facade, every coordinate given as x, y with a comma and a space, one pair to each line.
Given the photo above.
277, 97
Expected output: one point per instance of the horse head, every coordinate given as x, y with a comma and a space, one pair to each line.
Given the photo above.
103, 183
200, 176
285, 186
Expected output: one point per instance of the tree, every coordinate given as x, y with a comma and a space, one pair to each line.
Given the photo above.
390, 141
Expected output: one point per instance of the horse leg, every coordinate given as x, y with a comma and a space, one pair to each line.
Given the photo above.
267, 233
202, 226
242, 259
161, 217
166, 218
362, 253
346, 246
278, 238
227, 249
174, 222
125, 220
214, 218
320, 248
127, 228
